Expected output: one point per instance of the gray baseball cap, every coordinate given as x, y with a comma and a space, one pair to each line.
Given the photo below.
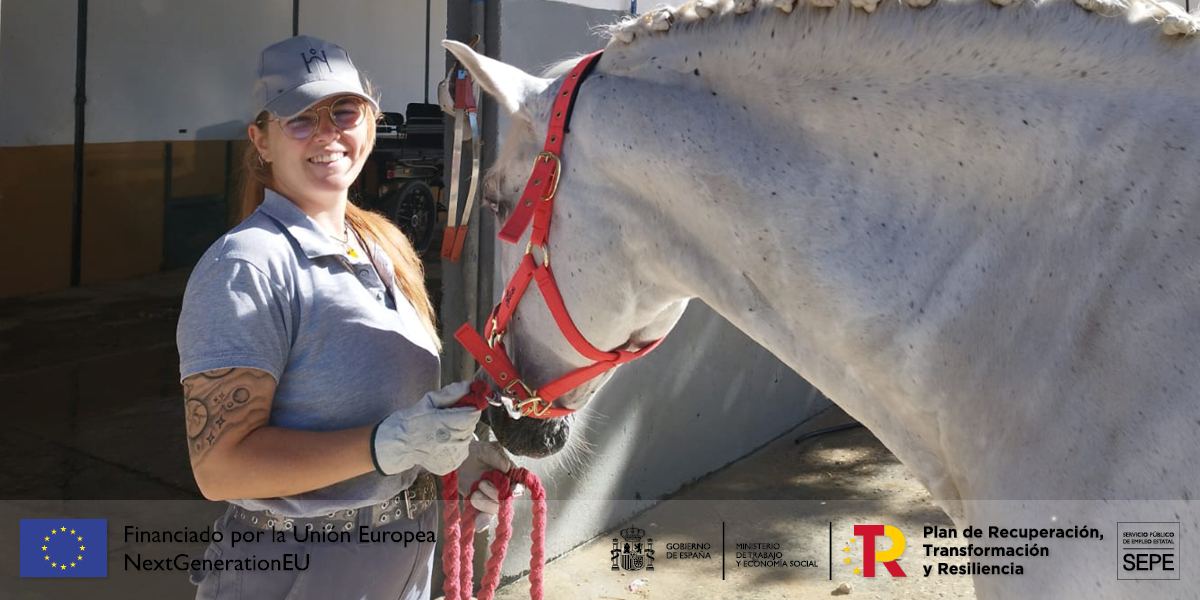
298, 72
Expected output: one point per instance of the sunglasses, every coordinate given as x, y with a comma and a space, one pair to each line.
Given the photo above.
346, 113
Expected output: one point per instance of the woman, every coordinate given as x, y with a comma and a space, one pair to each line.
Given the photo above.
307, 355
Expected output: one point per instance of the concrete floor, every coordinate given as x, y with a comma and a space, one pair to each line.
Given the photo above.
93, 429
90, 377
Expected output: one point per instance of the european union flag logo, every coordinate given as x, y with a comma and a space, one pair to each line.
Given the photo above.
64, 547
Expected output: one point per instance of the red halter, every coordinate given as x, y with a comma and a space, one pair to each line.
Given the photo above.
536, 204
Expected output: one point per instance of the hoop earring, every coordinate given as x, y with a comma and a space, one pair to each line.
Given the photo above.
261, 162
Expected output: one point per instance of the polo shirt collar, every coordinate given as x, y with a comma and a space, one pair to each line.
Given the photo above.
312, 240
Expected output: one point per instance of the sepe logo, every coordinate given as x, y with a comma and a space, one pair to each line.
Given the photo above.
630, 555
871, 555
64, 548
1148, 550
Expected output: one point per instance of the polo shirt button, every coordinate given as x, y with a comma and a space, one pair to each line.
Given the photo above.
363, 273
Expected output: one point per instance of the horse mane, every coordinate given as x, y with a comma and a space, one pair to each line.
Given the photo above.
1172, 19
663, 21
1038, 38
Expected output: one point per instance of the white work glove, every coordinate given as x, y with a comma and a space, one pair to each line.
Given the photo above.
428, 434
484, 456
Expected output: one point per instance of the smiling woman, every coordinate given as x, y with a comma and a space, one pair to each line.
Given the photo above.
307, 352
332, 163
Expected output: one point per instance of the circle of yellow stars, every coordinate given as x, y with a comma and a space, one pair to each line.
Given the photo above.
847, 559
63, 566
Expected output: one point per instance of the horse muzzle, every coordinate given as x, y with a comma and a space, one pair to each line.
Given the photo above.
535, 438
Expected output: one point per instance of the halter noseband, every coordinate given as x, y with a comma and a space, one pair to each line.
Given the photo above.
536, 205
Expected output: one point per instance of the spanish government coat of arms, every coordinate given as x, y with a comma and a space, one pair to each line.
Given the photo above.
630, 555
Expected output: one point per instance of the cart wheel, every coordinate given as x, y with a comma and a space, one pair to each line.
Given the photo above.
413, 209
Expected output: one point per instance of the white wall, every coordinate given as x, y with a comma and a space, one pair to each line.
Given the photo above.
156, 67
37, 73
615, 5
386, 40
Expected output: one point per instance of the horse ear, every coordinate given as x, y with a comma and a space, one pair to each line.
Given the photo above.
510, 86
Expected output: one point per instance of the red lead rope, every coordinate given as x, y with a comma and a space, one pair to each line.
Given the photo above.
459, 548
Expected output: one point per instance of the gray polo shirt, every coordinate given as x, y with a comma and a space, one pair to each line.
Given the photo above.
345, 346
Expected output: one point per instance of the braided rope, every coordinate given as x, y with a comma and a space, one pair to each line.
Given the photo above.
537, 559
450, 550
459, 550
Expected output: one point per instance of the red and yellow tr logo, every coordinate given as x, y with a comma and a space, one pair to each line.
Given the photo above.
887, 557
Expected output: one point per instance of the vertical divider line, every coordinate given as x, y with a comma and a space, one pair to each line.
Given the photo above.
168, 170
229, 200
77, 167
428, 9
168, 175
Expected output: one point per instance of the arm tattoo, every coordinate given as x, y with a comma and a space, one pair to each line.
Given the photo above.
224, 400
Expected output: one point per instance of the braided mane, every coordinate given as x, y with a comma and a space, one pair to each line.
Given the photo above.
735, 45
1172, 19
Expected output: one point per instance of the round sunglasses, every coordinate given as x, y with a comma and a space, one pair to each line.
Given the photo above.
346, 113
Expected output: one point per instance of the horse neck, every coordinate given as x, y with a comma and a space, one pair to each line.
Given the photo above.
820, 154
845, 223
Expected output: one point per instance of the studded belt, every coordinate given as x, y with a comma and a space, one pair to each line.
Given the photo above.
407, 504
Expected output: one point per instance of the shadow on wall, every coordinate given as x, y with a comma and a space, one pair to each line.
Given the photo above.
204, 181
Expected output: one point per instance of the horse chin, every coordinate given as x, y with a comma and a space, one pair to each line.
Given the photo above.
535, 438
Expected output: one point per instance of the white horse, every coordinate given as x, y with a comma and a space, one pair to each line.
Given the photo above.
974, 228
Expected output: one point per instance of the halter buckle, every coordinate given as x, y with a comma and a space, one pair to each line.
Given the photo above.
532, 405
529, 393
546, 156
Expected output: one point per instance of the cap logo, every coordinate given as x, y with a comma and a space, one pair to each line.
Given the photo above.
309, 60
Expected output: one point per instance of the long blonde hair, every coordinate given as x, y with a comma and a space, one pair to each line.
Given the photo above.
371, 226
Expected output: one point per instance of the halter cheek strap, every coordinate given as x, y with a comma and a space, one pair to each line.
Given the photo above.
536, 205
538, 197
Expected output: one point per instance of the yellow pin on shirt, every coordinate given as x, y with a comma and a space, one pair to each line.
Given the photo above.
351, 252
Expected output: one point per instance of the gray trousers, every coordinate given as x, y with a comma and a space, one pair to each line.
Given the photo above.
384, 570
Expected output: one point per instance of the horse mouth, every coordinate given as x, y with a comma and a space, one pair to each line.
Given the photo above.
535, 438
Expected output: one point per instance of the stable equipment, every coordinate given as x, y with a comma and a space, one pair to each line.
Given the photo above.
466, 127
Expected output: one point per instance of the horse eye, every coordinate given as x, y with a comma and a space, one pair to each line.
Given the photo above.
493, 200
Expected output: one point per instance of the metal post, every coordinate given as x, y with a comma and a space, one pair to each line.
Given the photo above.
428, 8
77, 178
470, 256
